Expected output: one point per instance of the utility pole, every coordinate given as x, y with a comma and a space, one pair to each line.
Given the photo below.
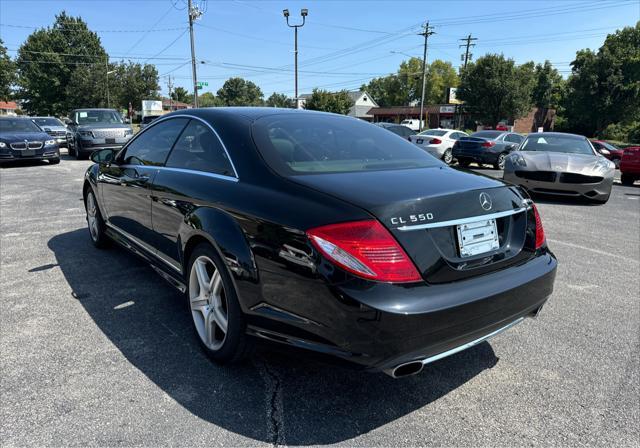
467, 56
428, 31
170, 87
194, 13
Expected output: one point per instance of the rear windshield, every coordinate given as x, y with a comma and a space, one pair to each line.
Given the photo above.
313, 144
47, 122
487, 134
17, 125
557, 143
436, 132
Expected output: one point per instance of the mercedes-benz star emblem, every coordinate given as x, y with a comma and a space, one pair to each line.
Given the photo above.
485, 201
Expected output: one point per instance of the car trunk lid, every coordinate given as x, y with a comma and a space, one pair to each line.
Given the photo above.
422, 209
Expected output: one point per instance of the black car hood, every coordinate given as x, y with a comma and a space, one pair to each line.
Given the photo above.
10, 137
92, 126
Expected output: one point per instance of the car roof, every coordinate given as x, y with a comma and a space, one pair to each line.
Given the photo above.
247, 113
556, 134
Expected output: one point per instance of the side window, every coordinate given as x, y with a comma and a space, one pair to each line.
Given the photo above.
153, 145
597, 145
513, 138
198, 148
456, 135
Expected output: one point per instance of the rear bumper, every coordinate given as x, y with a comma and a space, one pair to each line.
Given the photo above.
380, 326
627, 167
600, 190
473, 156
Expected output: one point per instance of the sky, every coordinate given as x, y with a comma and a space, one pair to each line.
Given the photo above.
342, 45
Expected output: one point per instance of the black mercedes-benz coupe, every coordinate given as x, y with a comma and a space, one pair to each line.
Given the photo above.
322, 232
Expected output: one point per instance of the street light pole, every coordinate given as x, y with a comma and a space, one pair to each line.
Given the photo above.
303, 12
107, 73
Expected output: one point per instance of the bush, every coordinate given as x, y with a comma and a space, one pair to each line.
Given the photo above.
623, 132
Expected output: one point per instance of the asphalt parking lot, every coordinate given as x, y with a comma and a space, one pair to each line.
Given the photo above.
97, 349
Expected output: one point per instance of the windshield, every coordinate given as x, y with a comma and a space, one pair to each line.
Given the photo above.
313, 144
18, 125
487, 134
436, 132
97, 116
47, 122
557, 143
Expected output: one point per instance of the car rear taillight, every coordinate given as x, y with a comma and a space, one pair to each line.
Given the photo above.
488, 144
435, 141
540, 239
366, 249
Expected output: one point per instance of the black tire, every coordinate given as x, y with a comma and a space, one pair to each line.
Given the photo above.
627, 179
71, 151
236, 345
447, 157
499, 165
80, 155
54, 161
98, 234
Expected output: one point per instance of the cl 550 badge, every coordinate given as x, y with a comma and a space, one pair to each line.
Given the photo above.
420, 217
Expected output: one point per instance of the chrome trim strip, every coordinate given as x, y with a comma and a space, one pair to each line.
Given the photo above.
202, 173
181, 115
159, 255
472, 343
468, 220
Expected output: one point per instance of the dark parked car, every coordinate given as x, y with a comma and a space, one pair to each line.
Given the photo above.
486, 147
609, 150
560, 164
322, 232
55, 128
21, 139
398, 129
96, 129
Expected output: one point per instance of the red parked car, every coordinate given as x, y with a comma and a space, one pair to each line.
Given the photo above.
615, 153
630, 165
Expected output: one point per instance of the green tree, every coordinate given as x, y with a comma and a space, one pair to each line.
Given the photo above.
48, 60
181, 94
338, 102
549, 85
86, 88
132, 83
208, 99
279, 100
604, 86
240, 92
405, 86
7, 73
493, 89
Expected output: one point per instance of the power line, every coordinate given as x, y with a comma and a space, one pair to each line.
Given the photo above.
10, 25
168, 46
147, 33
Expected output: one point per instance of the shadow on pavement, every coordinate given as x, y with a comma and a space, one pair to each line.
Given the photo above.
278, 396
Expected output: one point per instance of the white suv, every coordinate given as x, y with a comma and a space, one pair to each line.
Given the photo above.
438, 142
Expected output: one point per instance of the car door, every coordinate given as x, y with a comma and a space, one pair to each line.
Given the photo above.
125, 184
198, 163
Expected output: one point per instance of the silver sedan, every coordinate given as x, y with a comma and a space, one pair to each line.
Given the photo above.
560, 164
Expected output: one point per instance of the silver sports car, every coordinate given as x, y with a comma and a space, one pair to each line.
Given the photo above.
560, 164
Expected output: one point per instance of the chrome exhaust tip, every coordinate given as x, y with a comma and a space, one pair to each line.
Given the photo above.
407, 369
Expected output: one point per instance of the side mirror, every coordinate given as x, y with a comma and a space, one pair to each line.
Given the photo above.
103, 157
604, 152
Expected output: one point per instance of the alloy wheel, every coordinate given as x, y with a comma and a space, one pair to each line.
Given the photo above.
92, 218
448, 157
209, 307
501, 160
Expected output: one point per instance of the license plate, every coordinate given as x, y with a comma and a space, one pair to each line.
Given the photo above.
28, 153
110, 141
419, 141
477, 237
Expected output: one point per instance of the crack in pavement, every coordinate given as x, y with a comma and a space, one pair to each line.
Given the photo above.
273, 403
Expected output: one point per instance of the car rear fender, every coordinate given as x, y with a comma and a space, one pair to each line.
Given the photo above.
222, 231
